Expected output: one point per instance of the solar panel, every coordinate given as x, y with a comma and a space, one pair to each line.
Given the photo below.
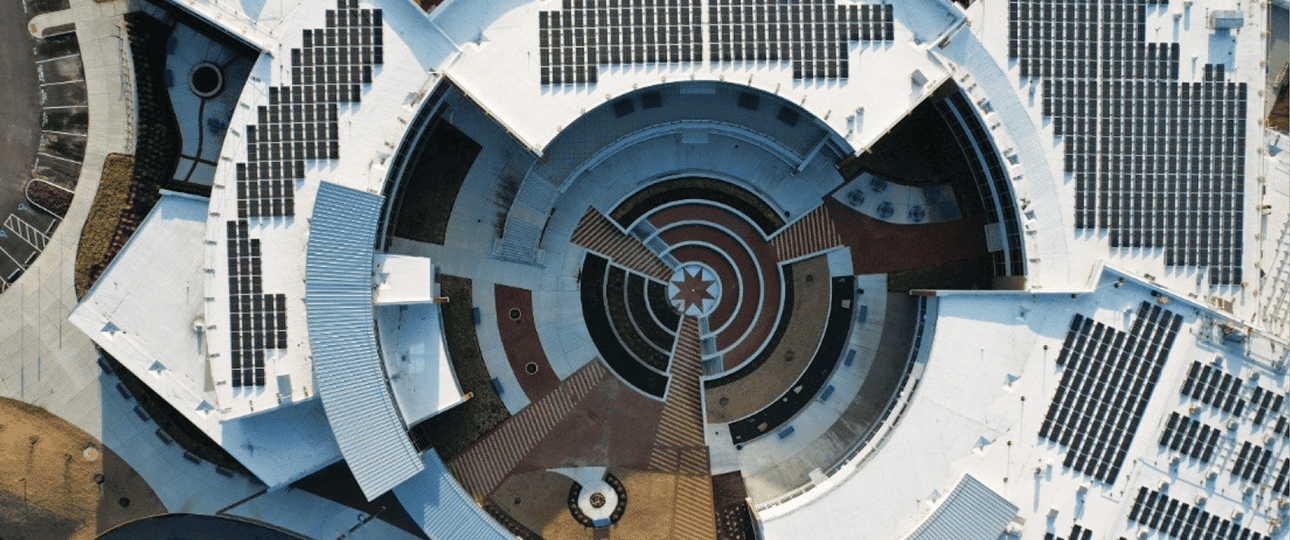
1105, 369
248, 307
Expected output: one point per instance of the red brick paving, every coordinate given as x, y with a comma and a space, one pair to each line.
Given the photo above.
750, 278
610, 427
756, 317
878, 247
483, 466
521, 341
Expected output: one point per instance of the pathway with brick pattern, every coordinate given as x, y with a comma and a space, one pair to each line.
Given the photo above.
679, 446
597, 233
486, 463
813, 233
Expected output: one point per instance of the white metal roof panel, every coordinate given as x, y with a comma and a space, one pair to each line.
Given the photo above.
347, 364
971, 512
442, 507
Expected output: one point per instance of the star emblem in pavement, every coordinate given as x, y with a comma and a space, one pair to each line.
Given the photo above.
693, 289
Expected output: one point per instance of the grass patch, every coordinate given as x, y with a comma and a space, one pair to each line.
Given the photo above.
1279, 117
94, 251
130, 186
429, 189
454, 430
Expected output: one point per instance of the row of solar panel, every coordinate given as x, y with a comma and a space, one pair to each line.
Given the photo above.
1168, 107
1104, 389
1077, 533
286, 158
332, 47
281, 136
610, 36
819, 32
249, 332
1282, 484
295, 142
1144, 172
338, 83
761, 13
1251, 463
347, 13
618, 17
1265, 401
1161, 57
1184, 521
796, 52
1191, 438
591, 4
1076, 68
619, 54
1194, 95
292, 112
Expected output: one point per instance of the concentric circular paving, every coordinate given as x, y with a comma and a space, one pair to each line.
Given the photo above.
705, 258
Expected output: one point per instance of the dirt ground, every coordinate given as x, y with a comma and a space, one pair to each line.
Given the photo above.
791, 354
543, 508
50, 474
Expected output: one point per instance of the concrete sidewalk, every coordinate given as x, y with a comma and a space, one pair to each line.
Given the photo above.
44, 360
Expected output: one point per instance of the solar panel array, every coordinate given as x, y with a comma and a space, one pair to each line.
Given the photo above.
1264, 402
1184, 521
1211, 386
300, 121
813, 35
1282, 483
1252, 462
585, 34
1189, 437
1077, 533
1108, 378
257, 320
1158, 162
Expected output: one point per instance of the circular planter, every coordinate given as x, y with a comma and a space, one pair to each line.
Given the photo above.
206, 80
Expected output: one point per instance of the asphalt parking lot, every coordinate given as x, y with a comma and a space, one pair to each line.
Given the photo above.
47, 123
